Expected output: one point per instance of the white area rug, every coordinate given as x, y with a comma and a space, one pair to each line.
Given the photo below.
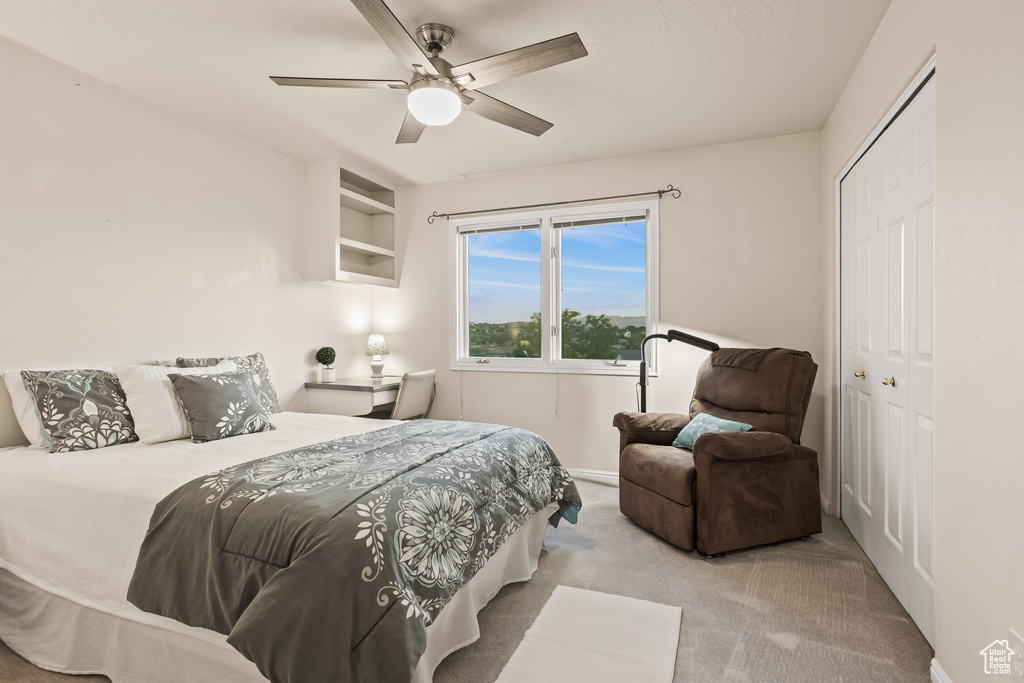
583, 635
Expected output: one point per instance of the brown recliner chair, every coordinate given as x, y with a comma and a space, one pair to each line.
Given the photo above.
734, 490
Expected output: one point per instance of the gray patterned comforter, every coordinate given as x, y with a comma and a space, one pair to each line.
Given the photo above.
326, 563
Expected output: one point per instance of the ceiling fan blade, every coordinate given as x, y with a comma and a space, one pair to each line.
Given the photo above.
496, 110
411, 130
339, 82
391, 31
525, 60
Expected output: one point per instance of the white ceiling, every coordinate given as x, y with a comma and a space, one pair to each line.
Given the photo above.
661, 74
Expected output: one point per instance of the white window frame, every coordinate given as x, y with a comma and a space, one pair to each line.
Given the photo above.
550, 289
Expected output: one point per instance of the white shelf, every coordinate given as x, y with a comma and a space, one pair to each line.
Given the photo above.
364, 248
358, 202
349, 226
363, 279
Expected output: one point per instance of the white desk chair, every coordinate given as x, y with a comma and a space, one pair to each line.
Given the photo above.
415, 395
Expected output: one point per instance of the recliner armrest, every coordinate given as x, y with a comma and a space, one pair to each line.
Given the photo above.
752, 488
732, 446
652, 428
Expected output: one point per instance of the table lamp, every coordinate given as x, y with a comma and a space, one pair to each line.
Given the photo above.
376, 347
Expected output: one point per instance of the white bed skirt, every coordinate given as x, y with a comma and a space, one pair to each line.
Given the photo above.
58, 634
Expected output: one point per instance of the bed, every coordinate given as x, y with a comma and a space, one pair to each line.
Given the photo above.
72, 525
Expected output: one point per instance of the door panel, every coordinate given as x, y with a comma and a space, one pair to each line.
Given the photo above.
865, 197
847, 464
925, 152
847, 340
859, 228
895, 296
864, 451
921, 366
924, 486
865, 293
924, 330
896, 169
887, 328
895, 477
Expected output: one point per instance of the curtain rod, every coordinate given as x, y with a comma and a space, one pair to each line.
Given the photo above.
674, 191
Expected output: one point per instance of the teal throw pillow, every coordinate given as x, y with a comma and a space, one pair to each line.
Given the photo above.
702, 423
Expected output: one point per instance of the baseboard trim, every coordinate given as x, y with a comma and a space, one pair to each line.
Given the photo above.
937, 674
600, 476
829, 508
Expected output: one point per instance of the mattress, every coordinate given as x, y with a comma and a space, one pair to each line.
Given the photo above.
71, 525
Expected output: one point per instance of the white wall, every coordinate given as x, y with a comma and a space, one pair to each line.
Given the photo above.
979, 278
740, 262
128, 233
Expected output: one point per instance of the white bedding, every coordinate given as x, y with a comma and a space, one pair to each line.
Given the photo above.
47, 500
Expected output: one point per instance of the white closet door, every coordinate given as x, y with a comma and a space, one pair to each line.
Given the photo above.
859, 244
887, 355
920, 305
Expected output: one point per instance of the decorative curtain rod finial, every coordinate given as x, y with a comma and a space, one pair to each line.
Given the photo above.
674, 191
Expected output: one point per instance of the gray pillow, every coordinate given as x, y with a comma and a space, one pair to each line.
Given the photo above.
80, 409
253, 363
219, 406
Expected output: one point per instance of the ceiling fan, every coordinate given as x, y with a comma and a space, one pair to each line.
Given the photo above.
438, 90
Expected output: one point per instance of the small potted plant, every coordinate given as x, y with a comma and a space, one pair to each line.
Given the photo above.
325, 356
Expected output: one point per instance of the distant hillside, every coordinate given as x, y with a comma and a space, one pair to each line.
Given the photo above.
625, 320
620, 321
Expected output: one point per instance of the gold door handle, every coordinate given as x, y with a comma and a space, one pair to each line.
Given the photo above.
859, 373
889, 381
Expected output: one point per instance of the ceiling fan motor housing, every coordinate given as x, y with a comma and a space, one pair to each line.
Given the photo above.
435, 37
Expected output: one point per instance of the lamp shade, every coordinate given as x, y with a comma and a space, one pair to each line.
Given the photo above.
376, 346
434, 102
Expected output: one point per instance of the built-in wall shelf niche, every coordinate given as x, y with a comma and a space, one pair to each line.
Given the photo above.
350, 225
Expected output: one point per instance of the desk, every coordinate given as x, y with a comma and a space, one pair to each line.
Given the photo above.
352, 395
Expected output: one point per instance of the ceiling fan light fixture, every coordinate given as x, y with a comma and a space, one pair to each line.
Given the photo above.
434, 102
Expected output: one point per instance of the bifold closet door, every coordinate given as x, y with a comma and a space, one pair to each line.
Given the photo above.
887, 355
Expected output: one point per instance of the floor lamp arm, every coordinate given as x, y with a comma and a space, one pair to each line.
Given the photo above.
673, 335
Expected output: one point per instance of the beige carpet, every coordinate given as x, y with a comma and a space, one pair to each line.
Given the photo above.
813, 611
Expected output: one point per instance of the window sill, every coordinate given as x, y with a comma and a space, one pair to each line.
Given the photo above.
625, 370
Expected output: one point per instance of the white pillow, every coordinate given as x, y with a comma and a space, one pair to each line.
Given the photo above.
155, 407
25, 410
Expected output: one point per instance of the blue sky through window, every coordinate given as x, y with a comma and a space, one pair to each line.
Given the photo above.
504, 276
603, 272
604, 269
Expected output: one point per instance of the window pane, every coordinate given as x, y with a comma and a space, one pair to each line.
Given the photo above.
604, 290
504, 294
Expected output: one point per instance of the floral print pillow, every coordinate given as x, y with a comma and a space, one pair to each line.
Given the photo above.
255, 364
80, 409
219, 406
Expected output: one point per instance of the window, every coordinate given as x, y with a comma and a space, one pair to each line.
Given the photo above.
562, 290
